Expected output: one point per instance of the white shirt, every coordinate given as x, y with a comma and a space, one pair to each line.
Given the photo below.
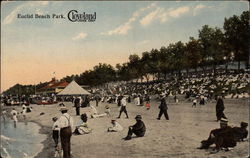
24, 109
116, 127
123, 101
65, 120
14, 115
13, 112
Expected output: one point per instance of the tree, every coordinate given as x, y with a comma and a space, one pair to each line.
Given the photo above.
244, 34
192, 54
211, 43
134, 66
237, 36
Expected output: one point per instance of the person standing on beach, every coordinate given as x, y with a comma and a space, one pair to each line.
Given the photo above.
4, 115
123, 107
147, 100
65, 123
77, 105
220, 109
14, 116
163, 108
55, 131
24, 110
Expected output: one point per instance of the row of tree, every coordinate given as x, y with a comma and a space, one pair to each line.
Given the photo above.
214, 46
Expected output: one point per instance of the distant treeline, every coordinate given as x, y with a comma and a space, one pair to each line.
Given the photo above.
214, 46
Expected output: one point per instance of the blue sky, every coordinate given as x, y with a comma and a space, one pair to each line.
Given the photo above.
32, 49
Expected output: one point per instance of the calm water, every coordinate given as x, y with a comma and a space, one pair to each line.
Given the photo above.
22, 141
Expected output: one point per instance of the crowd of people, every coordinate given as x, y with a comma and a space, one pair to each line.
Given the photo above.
195, 89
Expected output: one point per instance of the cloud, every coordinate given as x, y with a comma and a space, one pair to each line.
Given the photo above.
9, 19
124, 28
81, 35
177, 12
150, 17
163, 15
198, 8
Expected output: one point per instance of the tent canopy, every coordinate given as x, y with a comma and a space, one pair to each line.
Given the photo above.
73, 89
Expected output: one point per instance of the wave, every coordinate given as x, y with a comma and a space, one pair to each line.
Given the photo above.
7, 138
5, 152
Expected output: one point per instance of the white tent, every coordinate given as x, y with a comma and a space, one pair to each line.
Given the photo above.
73, 89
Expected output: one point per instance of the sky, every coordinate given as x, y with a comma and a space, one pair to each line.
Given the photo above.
33, 49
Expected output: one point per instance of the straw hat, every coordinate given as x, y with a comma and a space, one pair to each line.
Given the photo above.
63, 109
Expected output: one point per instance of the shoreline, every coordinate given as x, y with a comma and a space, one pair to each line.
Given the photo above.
46, 150
47, 144
197, 122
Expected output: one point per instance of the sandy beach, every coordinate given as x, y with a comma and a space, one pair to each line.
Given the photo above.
179, 137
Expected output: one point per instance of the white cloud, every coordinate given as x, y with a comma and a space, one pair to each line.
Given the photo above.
163, 15
81, 35
150, 17
9, 19
198, 8
177, 12
124, 28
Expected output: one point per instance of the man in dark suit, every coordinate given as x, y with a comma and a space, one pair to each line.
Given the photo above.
241, 132
163, 108
138, 129
77, 105
222, 137
220, 109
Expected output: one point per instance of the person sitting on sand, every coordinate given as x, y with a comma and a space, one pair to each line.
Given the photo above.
222, 137
28, 109
116, 127
138, 129
94, 113
194, 102
241, 132
82, 126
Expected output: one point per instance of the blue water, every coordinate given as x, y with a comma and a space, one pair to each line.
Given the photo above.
22, 141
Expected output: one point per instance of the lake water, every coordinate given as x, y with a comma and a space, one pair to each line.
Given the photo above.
22, 141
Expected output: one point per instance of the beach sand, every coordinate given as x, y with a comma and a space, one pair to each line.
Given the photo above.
177, 138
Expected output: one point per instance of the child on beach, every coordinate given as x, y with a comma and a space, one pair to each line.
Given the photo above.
116, 127
107, 110
194, 102
82, 126
55, 131
147, 103
55, 136
14, 116
24, 110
